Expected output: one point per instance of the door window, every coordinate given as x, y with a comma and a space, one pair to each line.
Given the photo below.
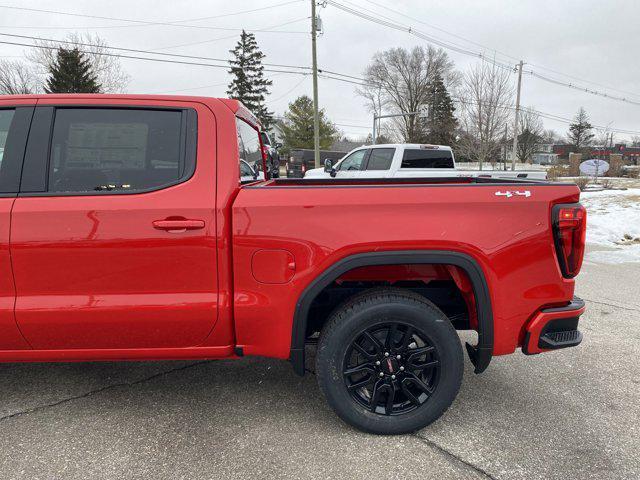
414, 158
104, 149
380, 158
353, 161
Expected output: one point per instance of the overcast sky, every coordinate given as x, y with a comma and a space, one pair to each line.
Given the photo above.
590, 40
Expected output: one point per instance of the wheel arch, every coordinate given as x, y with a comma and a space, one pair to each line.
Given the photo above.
479, 354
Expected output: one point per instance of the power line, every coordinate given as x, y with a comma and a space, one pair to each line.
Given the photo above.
583, 89
149, 59
443, 30
299, 68
584, 81
267, 30
550, 116
332, 75
134, 50
159, 92
166, 54
416, 33
177, 23
456, 48
290, 90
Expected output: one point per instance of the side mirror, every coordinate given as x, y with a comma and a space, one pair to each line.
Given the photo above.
328, 167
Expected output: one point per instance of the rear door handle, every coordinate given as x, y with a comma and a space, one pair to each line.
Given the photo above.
181, 225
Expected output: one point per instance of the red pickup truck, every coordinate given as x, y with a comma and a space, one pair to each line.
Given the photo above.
125, 234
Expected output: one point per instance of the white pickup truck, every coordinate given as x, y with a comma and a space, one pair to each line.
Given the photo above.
407, 160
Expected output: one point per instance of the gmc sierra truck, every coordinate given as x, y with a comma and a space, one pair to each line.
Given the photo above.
127, 234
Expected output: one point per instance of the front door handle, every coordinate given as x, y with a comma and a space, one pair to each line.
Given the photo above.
178, 225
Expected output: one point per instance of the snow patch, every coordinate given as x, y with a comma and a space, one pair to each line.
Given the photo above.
613, 217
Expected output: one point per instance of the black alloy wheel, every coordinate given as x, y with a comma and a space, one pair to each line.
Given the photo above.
389, 361
391, 369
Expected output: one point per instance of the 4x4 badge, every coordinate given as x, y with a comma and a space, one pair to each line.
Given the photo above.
509, 193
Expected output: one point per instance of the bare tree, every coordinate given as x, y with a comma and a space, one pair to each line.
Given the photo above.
111, 77
17, 78
635, 141
551, 136
604, 136
486, 107
375, 101
531, 134
399, 79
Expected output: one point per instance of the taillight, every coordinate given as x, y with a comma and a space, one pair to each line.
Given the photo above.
569, 231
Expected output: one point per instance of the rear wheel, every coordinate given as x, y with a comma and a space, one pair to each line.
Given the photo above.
389, 361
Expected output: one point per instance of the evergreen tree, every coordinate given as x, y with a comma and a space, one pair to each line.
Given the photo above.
249, 84
71, 72
297, 126
441, 124
580, 131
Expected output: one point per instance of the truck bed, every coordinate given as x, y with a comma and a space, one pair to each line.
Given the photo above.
504, 225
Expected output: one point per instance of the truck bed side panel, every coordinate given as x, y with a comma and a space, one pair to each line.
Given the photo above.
509, 236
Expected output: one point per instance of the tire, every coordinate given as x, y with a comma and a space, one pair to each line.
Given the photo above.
399, 393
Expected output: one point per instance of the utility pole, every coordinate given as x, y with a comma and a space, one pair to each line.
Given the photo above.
314, 60
504, 147
515, 125
375, 121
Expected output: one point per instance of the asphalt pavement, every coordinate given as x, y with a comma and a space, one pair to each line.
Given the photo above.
562, 415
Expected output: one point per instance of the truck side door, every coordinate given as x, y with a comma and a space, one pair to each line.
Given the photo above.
378, 163
15, 118
113, 237
352, 165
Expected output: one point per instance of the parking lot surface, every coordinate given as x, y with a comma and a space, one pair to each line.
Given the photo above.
568, 414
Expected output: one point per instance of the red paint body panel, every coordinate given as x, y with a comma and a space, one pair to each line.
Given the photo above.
510, 239
96, 279
10, 337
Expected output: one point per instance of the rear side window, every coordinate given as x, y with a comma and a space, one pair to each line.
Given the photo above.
104, 149
249, 148
416, 158
380, 158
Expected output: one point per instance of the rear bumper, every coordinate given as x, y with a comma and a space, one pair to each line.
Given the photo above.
554, 328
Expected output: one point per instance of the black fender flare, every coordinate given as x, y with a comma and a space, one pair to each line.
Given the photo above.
480, 354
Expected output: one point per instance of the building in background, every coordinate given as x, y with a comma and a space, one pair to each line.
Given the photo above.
544, 158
